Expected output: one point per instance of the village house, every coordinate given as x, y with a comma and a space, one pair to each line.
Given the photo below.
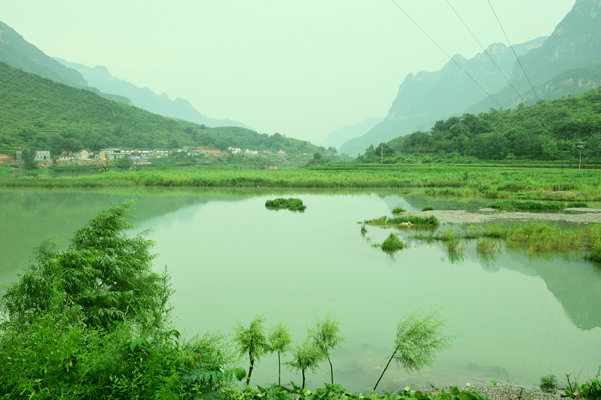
112, 154
81, 155
234, 150
209, 151
43, 156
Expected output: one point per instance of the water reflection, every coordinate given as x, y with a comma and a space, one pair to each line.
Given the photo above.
516, 317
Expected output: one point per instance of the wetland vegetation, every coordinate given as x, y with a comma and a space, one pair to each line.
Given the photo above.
292, 204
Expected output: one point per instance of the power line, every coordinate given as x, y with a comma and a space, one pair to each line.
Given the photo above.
445, 52
485, 51
512, 49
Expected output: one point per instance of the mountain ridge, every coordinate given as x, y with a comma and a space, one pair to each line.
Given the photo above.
427, 96
142, 97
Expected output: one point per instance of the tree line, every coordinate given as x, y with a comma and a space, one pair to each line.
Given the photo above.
561, 129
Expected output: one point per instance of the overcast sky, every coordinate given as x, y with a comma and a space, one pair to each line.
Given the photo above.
301, 68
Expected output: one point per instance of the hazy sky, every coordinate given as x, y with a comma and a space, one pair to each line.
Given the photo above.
301, 68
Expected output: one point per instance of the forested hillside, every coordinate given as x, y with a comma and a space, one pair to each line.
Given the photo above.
548, 130
42, 114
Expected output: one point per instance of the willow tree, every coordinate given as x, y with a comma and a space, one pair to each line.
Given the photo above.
418, 339
251, 341
326, 337
279, 342
304, 357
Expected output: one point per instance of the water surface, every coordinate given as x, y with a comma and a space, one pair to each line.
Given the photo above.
516, 318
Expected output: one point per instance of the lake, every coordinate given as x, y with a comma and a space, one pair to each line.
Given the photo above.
515, 317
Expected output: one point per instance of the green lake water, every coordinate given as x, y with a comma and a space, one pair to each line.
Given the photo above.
515, 317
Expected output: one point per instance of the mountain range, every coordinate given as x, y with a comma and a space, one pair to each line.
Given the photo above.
38, 113
16, 52
100, 77
567, 62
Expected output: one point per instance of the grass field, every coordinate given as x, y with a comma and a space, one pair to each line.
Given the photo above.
441, 180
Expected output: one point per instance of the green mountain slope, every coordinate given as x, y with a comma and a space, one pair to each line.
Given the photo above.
100, 77
42, 114
548, 130
18, 53
428, 96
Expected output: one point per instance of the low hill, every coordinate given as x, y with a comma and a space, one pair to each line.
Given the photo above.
42, 114
548, 130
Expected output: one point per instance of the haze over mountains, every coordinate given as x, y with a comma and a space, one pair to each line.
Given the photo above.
101, 78
565, 63
16, 52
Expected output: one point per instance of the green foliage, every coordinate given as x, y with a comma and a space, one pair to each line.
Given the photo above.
548, 383
90, 322
252, 341
43, 115
305, 357
405, 221
338, 392
549, 130
487, 246
514, 205
124, 163
363, 230
326, 337
427, 208
577, 204
392, 244
595, 255
590, 390
291, 204
28, 157
279, 342
398, 210
520, 183
105, 273
418, 338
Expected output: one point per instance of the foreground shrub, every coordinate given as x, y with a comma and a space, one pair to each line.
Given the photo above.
92, 322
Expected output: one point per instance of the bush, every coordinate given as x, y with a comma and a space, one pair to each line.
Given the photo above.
392, 244
398, 210
548, 383
427, 208
92, 322
291, 204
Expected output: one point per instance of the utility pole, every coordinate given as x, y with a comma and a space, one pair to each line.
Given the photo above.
381, 154
580, 147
